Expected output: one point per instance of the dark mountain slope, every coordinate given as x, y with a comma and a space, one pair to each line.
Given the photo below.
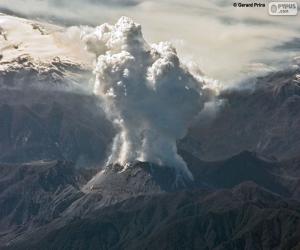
50, 125
246, 217
246, 166
240, 203
262, 115
34, 194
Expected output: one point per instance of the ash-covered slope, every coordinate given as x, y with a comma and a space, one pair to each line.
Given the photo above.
117, 183
52, 205
139, 178
47, 194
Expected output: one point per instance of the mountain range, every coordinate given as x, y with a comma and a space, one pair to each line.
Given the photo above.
57, 192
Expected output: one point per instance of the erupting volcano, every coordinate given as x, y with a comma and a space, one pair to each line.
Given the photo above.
146, 92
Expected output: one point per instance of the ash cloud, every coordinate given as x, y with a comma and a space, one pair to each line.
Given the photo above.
146, 91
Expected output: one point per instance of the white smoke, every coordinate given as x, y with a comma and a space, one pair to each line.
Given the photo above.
146, 91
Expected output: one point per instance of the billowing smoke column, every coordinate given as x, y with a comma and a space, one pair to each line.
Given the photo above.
146, 92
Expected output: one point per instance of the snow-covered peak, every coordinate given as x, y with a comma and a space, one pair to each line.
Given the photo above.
40, 43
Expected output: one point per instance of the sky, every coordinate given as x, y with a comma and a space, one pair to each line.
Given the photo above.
225, 42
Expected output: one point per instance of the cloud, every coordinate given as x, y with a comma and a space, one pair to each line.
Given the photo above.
225, 41
290, 45
146, 91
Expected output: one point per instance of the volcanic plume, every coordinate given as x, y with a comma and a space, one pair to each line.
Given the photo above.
146, 91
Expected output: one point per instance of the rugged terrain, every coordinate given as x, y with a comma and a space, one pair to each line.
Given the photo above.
262, 115
54, 138
46, 206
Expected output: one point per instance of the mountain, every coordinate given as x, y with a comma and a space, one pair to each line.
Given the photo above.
47, 111
62, 119
57, 193
261, 115
70, 124
50, 125
246, 166
34, 194
246, 217
54, 205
